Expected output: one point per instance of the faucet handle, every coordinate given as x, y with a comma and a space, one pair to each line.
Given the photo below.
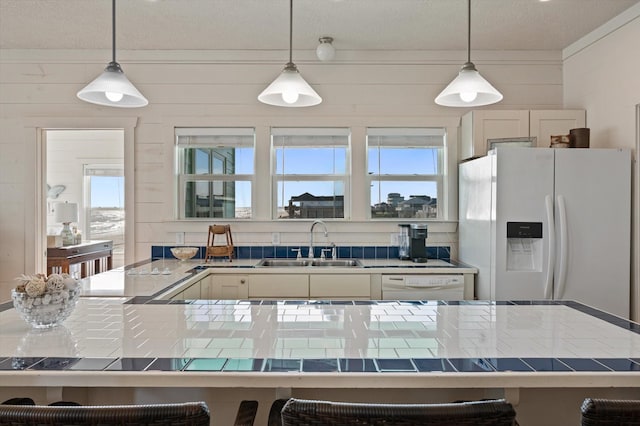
299, 256
322, 255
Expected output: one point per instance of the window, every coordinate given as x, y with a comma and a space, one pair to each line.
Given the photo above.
405, 170
215, 172
104, 206
310, 172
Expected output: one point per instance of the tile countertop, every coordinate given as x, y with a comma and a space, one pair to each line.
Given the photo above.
383, 344
150, 278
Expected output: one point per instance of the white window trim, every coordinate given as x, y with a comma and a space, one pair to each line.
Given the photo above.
182, 141
441, 142
345, 178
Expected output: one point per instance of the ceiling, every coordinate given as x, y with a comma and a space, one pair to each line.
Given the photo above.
263, 24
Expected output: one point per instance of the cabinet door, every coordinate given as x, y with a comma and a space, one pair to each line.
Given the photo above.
478, 126
178, 296
229, 287
544, 123
192, 292
279, 286
339, 286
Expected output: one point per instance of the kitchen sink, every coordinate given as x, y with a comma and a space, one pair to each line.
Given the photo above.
289, 263
351, 263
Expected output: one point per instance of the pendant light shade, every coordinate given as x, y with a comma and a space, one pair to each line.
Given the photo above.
290, 89
112, 87
469, 88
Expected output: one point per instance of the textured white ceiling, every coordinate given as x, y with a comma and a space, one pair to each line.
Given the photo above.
263, 24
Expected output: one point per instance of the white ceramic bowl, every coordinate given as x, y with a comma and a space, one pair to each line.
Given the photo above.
184, 253
46, 310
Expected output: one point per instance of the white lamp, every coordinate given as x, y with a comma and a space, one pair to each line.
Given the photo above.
112, 88
290, 89
325, 50
469, 88
66, 213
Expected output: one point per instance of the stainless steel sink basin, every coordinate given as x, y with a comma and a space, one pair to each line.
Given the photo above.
289, 263
350, 263
283, 263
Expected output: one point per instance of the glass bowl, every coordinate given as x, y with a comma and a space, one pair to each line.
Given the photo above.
46, 310
184, 253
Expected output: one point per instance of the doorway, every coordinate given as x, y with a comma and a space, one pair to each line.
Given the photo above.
86, 167
635, 227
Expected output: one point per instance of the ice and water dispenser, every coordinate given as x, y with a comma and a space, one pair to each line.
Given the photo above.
524, 246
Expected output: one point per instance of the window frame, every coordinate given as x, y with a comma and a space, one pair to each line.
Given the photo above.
276, 179
439, 178
183, 178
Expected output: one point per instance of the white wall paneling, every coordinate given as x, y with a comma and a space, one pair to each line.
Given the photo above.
601, 75
209, 88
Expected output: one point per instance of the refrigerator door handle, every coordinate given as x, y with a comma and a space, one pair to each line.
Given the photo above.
548, 202
562, 270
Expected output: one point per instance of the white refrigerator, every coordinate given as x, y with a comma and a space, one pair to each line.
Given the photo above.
544, 223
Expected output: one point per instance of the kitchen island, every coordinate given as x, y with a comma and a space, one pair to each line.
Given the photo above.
545, 357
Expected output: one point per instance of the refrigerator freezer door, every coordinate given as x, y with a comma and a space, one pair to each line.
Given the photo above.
475, 221
523, 180
596, 187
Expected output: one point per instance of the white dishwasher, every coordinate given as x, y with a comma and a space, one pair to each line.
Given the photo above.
423, 287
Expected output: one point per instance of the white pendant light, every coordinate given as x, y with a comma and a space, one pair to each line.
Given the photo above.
290, 89
469, 88
112, 88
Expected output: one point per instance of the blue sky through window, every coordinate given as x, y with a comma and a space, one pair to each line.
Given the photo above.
107, 191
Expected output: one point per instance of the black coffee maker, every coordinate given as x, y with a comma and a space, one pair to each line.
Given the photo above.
417, 243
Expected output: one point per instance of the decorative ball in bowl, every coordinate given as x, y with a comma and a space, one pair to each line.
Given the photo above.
44, 302
184, 253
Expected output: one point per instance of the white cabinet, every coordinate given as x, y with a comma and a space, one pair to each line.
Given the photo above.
227, 287
544, 123
340, 286
479, 126
279, 286
188, 292
192, 292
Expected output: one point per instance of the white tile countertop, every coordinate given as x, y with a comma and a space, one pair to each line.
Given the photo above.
150, 278
499, 340
526, 351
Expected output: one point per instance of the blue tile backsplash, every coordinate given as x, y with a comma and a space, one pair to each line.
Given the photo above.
344, 252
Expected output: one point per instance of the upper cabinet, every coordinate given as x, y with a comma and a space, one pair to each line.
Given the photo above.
479, 126
543, 123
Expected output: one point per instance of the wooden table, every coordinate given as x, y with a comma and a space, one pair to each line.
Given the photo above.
93, 256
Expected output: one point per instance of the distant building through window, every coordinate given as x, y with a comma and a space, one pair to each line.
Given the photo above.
311, 174
215, 172
306, 206
406, 172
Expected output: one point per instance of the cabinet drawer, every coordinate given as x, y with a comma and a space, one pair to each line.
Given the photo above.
339, 286
229, 287
279, 285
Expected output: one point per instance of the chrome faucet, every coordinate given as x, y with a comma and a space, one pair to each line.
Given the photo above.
313, 225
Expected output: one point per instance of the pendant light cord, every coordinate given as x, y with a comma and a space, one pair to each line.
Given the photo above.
468, 30
290, 31
113, 30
